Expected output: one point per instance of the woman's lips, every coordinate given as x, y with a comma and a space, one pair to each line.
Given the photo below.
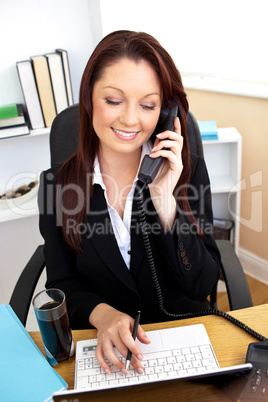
126, 135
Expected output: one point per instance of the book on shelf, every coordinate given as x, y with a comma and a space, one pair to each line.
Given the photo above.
30, 93
67, 75
44, 86
25, 374
14, 131
208, 130
9, 111
58, 81
12, 115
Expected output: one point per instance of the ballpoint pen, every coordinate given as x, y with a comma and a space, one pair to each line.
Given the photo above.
134, 334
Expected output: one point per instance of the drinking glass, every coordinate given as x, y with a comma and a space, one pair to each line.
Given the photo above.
53, 321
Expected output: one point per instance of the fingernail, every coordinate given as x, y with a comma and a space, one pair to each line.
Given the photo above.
148, 338
124, 371
154, 149
139, 356
159, 135
107, 371
140, 370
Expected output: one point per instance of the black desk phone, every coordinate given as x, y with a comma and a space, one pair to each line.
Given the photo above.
249, 386
256, 387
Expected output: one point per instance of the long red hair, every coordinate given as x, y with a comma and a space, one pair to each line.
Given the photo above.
77, 169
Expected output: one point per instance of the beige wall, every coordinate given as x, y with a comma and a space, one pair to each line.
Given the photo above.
250, 117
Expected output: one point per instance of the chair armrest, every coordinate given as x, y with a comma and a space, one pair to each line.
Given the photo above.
236, 283
24, 289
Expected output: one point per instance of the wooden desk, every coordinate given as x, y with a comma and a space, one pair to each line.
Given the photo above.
229, 342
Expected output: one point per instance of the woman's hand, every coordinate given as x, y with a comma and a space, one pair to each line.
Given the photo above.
115, 329
162, 187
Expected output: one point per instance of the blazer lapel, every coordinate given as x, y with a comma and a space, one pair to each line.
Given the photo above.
103, 239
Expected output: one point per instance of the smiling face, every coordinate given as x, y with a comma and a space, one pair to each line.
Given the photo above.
126, 106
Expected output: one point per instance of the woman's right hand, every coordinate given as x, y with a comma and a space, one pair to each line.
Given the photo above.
115, 329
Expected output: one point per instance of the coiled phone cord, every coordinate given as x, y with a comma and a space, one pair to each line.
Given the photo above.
145, 234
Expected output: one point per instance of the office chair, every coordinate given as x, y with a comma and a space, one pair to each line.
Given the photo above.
63, 143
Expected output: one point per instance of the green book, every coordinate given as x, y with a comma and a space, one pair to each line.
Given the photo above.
17, 116
8, 111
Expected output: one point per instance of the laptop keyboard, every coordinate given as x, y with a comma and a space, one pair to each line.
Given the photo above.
167, 364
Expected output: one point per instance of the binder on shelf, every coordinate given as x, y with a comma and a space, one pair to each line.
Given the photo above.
66, 68
208, 130
35, 380
12, 115
41, 72
30, 93
57, 81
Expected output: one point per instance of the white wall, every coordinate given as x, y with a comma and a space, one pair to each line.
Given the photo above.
212, 38
31, 27
222, 41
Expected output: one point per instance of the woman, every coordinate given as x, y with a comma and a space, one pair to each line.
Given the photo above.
94, 247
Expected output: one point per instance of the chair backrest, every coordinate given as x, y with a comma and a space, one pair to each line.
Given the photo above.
65, 129
64, 135
194, 135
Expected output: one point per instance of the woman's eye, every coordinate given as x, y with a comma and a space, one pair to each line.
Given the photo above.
114, 103
148, 107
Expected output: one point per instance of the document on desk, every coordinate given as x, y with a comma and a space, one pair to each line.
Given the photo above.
25, 374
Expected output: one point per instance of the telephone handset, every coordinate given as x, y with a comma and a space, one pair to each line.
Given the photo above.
150, 166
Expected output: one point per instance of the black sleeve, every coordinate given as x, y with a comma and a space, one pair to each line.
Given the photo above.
61, 260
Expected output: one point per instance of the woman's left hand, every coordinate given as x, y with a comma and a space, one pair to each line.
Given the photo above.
161, 189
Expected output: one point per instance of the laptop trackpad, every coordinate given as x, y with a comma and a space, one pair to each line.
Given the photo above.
172, 339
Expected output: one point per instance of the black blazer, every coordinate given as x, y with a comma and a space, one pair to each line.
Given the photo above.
187, 265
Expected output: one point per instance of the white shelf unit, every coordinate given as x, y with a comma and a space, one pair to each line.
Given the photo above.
23, 156
223, 158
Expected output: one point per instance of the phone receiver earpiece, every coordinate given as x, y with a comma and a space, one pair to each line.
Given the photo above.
150, 166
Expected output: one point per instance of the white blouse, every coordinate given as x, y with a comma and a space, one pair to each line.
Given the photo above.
121, 227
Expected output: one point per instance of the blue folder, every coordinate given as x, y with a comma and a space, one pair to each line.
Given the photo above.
25, 374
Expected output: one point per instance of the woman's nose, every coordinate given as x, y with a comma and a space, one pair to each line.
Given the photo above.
129, 116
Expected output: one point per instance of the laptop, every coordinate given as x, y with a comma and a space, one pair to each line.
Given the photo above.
174, 354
